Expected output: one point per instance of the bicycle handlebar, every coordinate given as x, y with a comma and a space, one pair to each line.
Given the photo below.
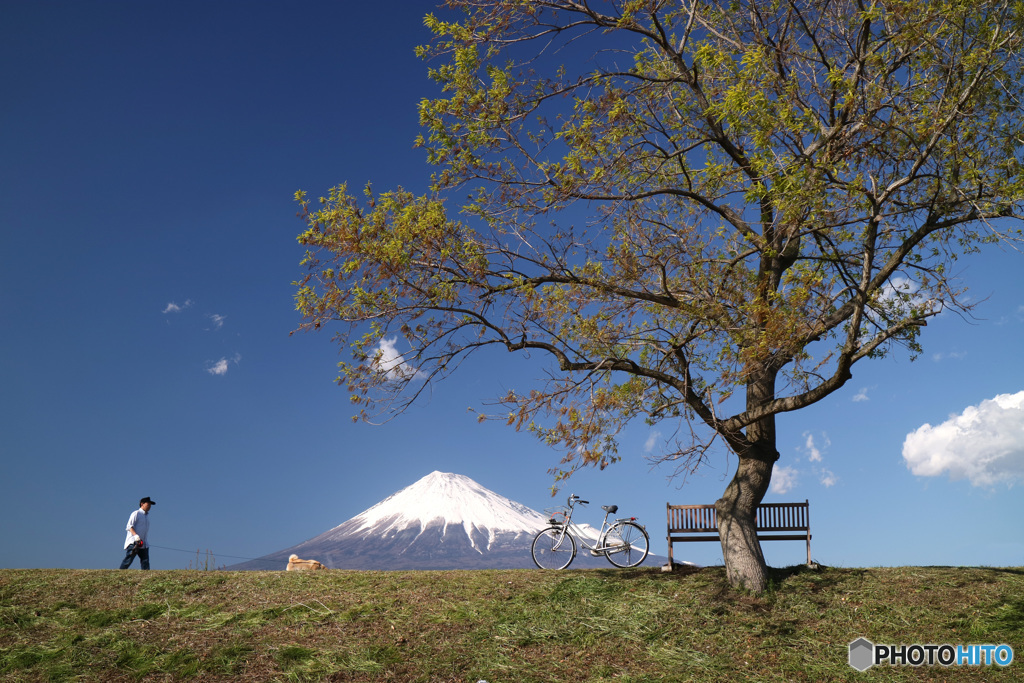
576, 499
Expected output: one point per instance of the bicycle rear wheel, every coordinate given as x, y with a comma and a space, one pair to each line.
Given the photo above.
553, 549
626, 544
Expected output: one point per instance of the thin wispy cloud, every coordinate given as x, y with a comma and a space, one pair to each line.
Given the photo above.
984, 444
827, 478
948, 355
813, 454
783, 479
173, 307
1016, 316
652, 442
815, 448
861, 396
217, 320
220, 367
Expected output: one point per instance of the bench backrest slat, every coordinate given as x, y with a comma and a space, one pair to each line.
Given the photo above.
782, 517
700, 523
770, 517
693, 518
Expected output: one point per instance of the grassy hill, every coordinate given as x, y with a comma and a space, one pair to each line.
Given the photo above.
496, 625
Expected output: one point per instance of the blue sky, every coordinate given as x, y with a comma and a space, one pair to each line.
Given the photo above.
149, 153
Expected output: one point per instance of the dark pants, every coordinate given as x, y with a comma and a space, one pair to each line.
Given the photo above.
133, 550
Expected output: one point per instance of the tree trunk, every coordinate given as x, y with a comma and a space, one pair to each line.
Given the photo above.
737, 509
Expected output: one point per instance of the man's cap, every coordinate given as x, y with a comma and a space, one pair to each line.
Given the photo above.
147, 500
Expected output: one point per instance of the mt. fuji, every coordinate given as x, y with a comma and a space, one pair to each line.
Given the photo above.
443, 521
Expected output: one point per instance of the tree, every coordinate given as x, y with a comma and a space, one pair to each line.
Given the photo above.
703, 213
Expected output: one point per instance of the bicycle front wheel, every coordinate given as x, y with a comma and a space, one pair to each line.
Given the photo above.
553, 549
626, 544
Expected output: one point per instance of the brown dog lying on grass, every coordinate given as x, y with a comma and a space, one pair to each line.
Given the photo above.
297, 565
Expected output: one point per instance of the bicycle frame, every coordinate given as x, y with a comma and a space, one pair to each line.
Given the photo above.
574, 530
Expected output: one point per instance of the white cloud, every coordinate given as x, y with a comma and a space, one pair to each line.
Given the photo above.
900, 294
651, 442
861, 395
815, 448
220, 367
813, 451
1016, 316
392, 363
984, 444
218, 320
172, 307
813, 454
783, 479
903, 291
955, 355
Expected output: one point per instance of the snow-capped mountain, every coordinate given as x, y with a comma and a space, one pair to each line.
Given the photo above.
443, 521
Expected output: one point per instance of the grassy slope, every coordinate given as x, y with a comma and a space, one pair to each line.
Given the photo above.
515, 625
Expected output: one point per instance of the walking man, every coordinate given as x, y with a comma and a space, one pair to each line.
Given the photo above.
138, 529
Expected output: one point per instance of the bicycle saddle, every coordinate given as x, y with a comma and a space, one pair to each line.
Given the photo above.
610, 509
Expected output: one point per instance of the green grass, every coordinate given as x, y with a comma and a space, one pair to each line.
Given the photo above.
498, 626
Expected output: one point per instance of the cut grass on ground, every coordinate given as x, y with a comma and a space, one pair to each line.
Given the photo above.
497, 625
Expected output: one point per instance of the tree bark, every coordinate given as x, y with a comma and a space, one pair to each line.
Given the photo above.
737, 508
745, 566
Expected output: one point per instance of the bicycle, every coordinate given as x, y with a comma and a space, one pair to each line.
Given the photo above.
624, 542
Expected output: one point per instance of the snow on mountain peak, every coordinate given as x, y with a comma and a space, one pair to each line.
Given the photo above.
442, 521
454, 500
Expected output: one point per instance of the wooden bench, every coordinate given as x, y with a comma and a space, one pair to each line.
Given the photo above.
700, 523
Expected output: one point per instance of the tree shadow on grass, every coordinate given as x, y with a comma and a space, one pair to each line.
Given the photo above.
1008, 616
1017, 571
824, 577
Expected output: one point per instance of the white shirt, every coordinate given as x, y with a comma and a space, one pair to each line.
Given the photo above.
140, 522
